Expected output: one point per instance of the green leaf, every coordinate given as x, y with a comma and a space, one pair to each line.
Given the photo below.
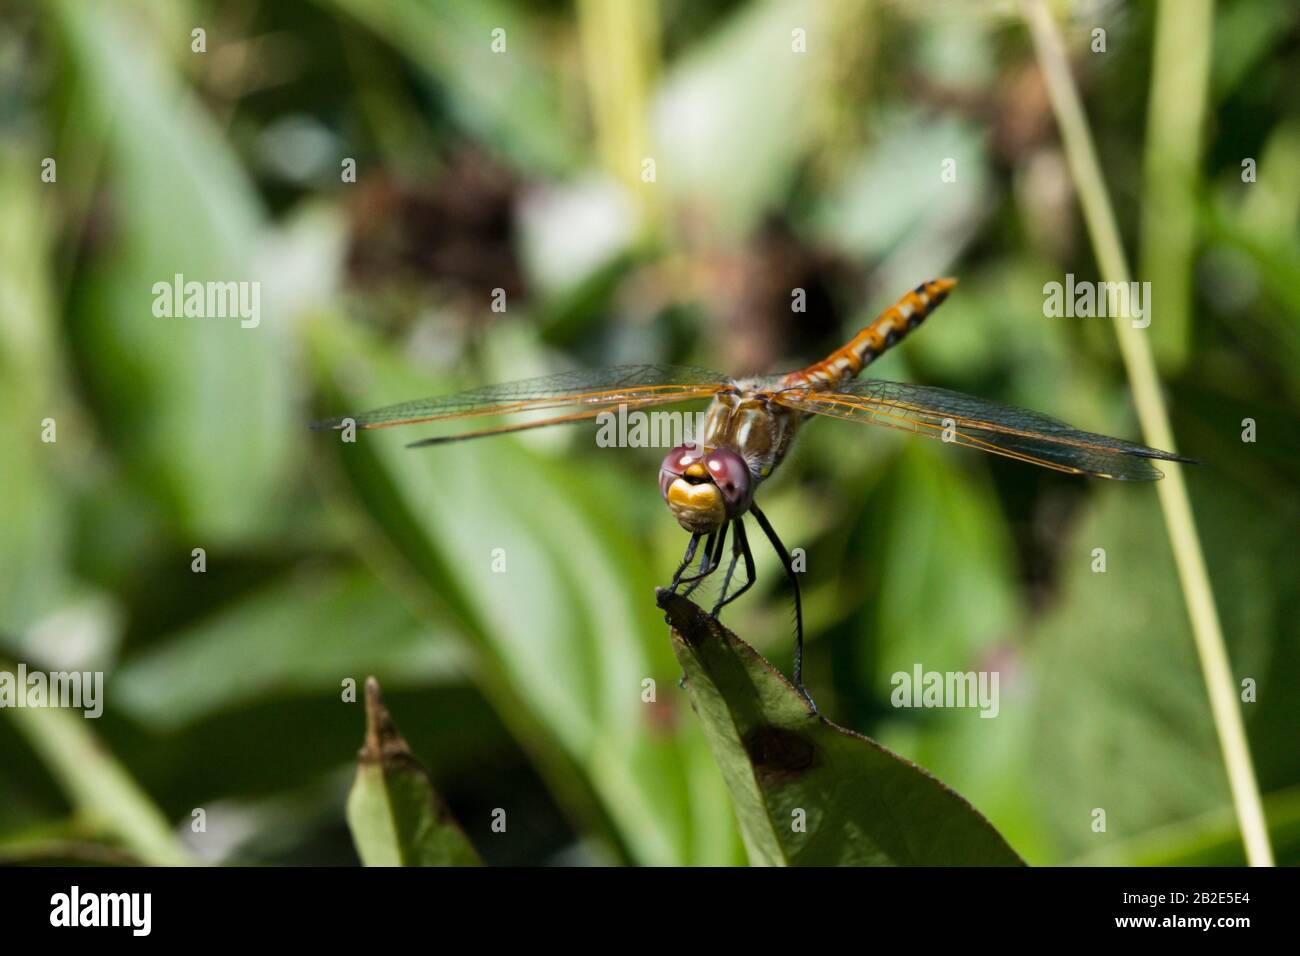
509, 100
306, 631
882, 211
396, 817
731, 119
1121, 720
946, 585
860, 804
35, 545
195, 407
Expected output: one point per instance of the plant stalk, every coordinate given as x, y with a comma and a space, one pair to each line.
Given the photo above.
1153, 417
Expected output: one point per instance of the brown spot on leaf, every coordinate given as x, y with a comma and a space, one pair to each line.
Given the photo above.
779, 755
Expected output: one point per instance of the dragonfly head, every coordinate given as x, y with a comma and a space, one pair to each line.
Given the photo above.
703, 488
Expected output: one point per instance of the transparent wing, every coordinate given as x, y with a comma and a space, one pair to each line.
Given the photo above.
988, 426
594, 389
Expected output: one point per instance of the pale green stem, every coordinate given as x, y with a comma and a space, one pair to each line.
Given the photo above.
1179, 87
1154, 419
98, 786
620, 48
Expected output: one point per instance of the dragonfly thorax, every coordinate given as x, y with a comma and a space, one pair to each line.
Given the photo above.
745, 419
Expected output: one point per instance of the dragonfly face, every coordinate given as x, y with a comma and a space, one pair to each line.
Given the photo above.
704, 487
710, 488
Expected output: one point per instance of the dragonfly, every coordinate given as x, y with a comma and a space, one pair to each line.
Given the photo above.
710, 485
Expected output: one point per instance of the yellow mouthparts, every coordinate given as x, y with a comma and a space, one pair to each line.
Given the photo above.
698, 508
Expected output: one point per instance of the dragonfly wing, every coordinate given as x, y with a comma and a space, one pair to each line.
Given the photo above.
988, 426
594, 389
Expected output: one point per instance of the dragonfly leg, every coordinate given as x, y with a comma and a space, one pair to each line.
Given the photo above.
708, 564
690, 556
711, 562
686, 562
739, 549
798, 601
726, 579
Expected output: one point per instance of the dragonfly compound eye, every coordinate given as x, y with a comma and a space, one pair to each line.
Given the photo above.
731, 475
693, 497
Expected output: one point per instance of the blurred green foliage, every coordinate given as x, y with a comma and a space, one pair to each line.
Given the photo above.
479, 170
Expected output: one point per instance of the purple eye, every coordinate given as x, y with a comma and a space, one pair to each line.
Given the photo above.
675, 464
697, 482
681, 458
730, 473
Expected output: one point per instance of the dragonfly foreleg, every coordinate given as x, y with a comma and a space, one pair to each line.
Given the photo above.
798, 601
711, 561
739, 549
690, 556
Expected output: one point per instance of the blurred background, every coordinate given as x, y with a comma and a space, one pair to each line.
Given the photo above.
521, 169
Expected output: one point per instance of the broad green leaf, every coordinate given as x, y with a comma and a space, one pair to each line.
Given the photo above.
35, 545
944, 566
508, 98
884, 210
1244, 37
731, 119
305, 633
197, 408
396, 816
808, 792
1122, 723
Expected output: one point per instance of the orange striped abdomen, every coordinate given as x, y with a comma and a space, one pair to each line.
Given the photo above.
888, 328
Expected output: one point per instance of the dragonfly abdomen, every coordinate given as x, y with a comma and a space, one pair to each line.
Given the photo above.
888, 328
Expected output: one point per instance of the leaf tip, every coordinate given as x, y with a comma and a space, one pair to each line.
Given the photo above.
687, 619
382, 736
